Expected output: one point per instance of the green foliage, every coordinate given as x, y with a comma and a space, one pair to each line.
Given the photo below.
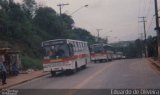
31, 63
84, 35
24, 26
152, 46
29, 6
136, 49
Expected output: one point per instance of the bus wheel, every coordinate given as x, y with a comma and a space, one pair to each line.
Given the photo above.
76, 68
106, 60
101, 61
67, 72
53, 73
85, 65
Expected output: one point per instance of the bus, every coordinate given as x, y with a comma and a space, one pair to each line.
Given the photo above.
65, 55
110, 51
101, 52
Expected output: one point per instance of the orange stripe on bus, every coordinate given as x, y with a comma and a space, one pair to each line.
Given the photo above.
47, 61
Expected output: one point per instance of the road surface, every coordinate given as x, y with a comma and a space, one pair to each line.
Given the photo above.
119, 74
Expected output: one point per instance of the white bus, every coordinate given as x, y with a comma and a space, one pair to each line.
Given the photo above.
65, 55
101, 52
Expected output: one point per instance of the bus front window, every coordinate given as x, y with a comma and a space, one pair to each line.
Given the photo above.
97, 49
56, 51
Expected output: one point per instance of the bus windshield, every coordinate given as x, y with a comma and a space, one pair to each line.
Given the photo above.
96, 48
56, 51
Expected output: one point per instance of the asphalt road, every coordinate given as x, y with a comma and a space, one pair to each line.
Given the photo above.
130, 73
118, 74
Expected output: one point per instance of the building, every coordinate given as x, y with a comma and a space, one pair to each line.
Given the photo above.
10, 57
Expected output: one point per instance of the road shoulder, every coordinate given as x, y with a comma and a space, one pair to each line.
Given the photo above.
22, 78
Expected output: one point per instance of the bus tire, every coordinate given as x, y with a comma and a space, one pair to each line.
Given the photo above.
76, 68
68, 72
101, 61
53, 73
85, 65
106, 60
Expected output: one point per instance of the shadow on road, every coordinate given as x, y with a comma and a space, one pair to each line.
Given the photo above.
63, 74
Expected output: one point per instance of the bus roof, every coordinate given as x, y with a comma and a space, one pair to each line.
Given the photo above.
60, 40
101, 44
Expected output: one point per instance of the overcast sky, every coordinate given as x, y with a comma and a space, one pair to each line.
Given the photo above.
118, 16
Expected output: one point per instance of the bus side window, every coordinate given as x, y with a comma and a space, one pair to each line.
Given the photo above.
90, 49
80, 46
74, 47
71, 50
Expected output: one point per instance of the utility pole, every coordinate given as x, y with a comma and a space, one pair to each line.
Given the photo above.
145, 41
60, 7
157, 27
98, 30
106, 39
141, 47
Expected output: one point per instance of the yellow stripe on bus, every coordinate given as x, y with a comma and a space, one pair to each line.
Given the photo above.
56, 60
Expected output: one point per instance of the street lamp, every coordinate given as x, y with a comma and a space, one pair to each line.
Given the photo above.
78, 9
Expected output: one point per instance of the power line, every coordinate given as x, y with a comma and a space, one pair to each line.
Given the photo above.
139, 8
150, 24
148, 11
139, 11
145, 6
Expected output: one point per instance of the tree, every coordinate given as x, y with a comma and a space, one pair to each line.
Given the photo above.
46, 21
25, 26
152, 46
30, 7
84, 35
68, 20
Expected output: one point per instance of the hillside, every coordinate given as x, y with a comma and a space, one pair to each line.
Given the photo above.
24, 26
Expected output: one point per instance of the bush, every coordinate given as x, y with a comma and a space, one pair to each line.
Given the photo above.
30, 63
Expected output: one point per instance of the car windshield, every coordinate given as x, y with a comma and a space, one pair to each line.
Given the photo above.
56, 51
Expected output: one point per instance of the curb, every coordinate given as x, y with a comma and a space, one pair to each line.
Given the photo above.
155, 63
23, 81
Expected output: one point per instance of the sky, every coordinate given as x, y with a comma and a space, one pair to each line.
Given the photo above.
118, 19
